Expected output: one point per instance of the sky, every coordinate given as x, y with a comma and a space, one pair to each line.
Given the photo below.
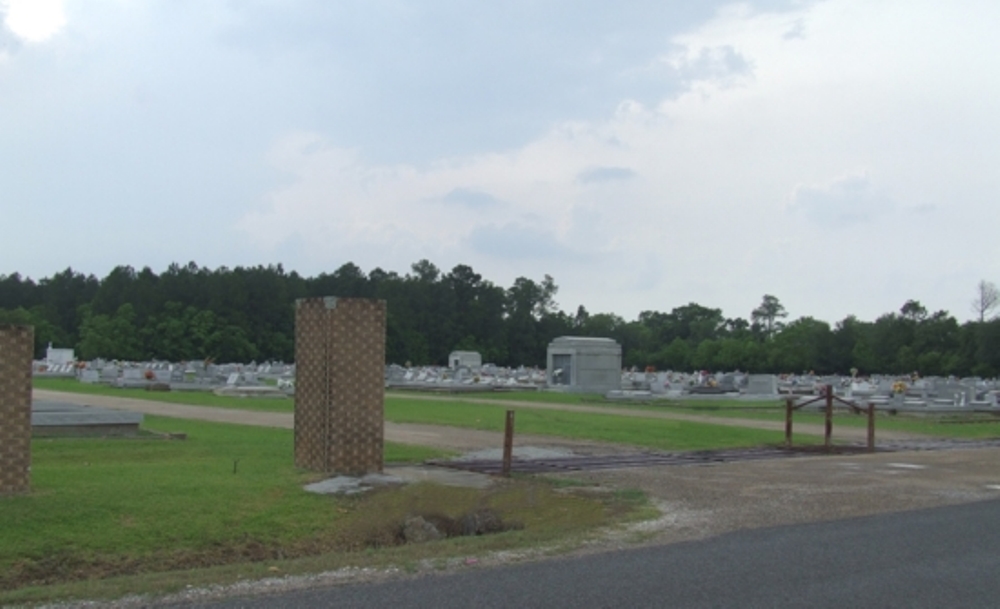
841, 155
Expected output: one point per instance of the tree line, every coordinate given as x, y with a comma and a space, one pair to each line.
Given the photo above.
247, 313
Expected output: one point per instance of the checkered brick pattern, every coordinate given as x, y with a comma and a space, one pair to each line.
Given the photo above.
17, 345
339, 384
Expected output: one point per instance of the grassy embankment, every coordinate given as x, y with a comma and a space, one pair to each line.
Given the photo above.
107, 517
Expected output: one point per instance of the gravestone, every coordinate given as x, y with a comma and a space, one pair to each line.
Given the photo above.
133, 374
339, 384
762, 384
16, 346
728, 383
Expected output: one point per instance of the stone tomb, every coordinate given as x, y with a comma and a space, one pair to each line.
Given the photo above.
762, 384
468, 359
339, 385
583, 364
17, 344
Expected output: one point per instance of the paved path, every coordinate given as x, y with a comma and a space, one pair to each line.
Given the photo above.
943, 557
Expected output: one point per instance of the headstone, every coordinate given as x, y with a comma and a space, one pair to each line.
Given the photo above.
16, 346
133, 374
727, 382
90, 377
762, 384
339, 384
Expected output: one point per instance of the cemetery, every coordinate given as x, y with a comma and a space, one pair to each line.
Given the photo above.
337, 389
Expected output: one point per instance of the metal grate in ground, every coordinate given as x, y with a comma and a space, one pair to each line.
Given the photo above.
705, 457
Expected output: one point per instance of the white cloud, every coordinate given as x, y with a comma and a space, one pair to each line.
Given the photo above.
852, 87
33, 20
845, 202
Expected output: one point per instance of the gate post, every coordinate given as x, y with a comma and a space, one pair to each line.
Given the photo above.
788, 422
871, 427
828, 430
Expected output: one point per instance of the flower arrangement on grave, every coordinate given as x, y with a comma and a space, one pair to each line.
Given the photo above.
899, 387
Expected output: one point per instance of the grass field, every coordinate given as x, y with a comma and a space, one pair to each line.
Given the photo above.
650, 433
404, 408
228, 494
193, 398
664, 434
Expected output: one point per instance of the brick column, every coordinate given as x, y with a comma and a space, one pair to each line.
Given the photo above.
17, 344
339, 384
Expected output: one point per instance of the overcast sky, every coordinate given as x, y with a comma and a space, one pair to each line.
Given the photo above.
841, 155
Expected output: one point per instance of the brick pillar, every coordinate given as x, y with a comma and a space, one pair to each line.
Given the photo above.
339, 384
17, 344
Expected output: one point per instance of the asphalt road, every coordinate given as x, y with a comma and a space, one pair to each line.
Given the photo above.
940, 557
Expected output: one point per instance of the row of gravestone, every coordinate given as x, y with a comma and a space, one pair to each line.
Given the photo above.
191, 375
488, 375
972, 392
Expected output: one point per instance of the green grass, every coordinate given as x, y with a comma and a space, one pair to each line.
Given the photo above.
950, 426
402, 408
135, 496
103, 508
651, 433
945, 425
192, 398
542, 397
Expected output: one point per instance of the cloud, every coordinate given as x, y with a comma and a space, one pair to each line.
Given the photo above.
722, 65
845, 202
516, 241
797, 30
656, 145
730, 166
604, 174
33, 20
470, 198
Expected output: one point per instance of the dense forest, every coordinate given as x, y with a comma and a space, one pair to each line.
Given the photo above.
243, 314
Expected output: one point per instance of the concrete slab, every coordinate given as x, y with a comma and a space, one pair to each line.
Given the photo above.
51, 417
441, 475
397, 475
351, 485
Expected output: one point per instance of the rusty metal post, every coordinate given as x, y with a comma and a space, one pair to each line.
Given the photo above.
508, 443
788, 422
871, 427
828, 430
